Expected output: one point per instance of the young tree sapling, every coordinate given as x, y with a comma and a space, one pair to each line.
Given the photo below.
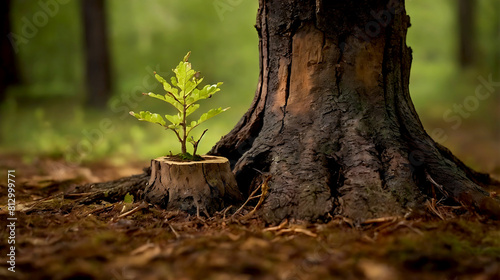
183, 91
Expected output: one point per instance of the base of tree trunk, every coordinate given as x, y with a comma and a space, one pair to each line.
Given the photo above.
194, 187
333, 124
332, 129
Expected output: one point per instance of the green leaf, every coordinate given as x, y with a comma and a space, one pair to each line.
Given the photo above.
154, 95
174, 119
206, 116
160, 78
210, 114
128, 198
192, 108
174, 127
184, 75
173, 80
167, 87
149, 117
204, 93
167, 98
180, 73
174, 91
191, 85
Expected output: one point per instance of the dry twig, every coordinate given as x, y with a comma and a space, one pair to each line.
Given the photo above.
175, 232
141, 206
432, 206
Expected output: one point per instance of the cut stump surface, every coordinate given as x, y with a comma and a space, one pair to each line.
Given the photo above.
195, 187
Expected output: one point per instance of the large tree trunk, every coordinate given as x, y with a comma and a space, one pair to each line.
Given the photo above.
98, 74
466, 28
496, 40
332, 120
9, 74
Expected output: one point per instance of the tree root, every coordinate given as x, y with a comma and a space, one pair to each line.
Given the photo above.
112, 190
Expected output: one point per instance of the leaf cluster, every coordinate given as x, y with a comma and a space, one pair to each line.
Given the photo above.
182, 92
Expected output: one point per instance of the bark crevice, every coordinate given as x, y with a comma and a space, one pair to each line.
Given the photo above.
287, 89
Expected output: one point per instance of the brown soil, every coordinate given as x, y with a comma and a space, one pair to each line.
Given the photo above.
59, 239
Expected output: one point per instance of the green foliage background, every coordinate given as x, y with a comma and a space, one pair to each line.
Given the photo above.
45, 115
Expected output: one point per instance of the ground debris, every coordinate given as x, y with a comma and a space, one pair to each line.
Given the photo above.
66, 237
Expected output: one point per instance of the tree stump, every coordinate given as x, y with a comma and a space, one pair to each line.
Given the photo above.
194, 187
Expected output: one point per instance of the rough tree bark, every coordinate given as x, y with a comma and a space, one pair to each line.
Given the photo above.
332, 120
98, 74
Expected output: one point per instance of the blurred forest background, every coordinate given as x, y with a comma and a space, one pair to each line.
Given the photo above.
52, 111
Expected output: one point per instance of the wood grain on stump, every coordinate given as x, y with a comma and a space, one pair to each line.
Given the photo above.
195, 187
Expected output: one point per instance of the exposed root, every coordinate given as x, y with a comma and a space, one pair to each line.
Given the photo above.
282, 229
264, 190
482, 179
381, 220
434, 184
112, 190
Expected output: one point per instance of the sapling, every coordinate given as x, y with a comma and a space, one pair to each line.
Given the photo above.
183, 91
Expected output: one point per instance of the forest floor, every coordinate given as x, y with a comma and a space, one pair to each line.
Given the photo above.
59, 239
